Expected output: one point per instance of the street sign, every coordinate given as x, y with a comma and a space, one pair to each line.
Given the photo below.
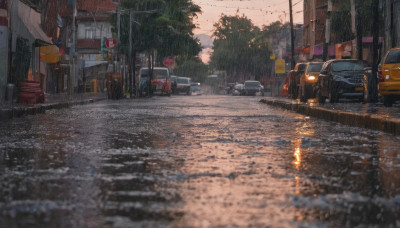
279, 66
169, 61
111, 43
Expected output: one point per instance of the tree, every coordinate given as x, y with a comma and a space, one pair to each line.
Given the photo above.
165, 26
195, 69
240, 48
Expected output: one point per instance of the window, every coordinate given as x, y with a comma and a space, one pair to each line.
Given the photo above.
347, 66
314, 67
393, 57
89, 33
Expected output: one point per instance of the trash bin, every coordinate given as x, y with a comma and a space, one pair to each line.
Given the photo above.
10, 92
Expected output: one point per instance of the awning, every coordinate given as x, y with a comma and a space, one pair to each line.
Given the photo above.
91, 63
26, 24
49, 54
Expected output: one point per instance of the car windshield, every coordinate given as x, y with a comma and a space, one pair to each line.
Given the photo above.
393, 57
347, 66
252, 84
183, 81
239, 86
302, 67
157, 73
315, 67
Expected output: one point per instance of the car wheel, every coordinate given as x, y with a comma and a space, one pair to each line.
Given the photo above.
301, 94
388, 101
293, 92
321, 99
332, 96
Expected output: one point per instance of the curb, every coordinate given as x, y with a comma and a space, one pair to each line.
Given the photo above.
369, 121
15, 112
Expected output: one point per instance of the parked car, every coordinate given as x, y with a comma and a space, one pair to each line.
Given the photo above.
344, 78
160, 82
389, 77
173, 84
308, 80
238, 90
143, 87
230, 88
195, 88
294, 79
253, 87
183, 85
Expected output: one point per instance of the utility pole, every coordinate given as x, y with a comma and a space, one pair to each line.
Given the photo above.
293, 63
327, 31
373, 81
359, 30
356, 27
4, 48
130, 53
118, 36
72, 52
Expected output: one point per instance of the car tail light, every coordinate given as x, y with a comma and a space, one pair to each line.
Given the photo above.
381, 78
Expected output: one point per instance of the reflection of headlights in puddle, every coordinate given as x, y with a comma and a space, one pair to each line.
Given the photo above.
297, 157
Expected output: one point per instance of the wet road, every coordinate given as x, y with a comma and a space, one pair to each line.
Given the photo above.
194, 161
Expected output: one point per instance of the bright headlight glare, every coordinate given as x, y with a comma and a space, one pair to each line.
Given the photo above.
311, 78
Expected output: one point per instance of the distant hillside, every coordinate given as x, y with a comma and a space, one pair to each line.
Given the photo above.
205, 40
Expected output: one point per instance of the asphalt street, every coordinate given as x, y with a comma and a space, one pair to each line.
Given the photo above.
194, 161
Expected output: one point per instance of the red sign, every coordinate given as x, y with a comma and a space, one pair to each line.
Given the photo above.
111, 43
169, 61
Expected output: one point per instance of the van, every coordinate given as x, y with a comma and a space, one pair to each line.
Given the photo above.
161, 80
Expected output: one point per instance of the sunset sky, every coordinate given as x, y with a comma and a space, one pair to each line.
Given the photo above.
261, 12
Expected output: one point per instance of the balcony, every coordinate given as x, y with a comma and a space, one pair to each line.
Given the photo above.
88, 44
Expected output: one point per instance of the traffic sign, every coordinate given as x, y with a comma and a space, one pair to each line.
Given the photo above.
169, 61
111, 43
279, 66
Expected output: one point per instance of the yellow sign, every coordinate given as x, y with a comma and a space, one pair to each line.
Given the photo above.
272, 56
279, 66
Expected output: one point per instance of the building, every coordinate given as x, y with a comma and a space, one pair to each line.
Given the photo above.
93, 28
392, 22
340, 35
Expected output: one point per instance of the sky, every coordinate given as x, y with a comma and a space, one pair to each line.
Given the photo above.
261, 12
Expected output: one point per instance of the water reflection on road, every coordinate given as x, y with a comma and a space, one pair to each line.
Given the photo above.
185, 161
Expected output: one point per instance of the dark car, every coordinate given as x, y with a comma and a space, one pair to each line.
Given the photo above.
294, 79
230, 88
238, 90
195, 88
253, 87
183, 85
341, 79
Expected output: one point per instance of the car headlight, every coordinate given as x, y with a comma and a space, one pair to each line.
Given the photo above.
310, 77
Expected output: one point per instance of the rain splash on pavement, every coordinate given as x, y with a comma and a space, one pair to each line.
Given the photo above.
185, 161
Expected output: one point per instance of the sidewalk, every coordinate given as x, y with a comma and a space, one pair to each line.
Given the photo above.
371, 116
53, 101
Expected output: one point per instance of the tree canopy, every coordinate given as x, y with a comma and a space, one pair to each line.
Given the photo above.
240, 48
162, 25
